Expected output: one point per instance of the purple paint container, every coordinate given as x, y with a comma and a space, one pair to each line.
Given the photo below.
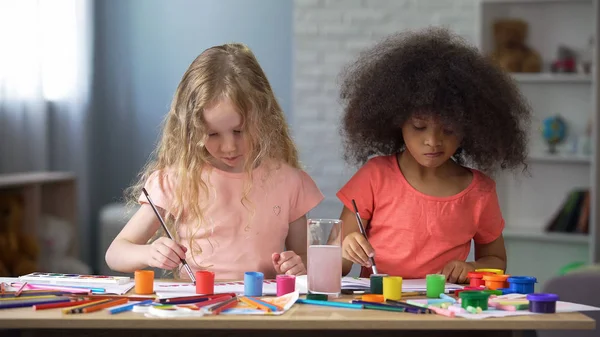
542, 303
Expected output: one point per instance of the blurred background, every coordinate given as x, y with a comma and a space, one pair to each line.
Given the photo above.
84, 86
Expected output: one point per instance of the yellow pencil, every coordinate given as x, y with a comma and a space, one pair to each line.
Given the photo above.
24, 298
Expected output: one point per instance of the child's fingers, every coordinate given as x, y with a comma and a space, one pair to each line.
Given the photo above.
349, 255
447, 271
462, 278
360, 253
366, 246
174, 247
168, 253
296, 270
290, 263
163, 262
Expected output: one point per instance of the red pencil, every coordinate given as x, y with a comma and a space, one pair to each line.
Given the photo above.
61, 305
213, 301
230, 303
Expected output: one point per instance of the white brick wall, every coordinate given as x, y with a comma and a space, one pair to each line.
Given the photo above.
327, 35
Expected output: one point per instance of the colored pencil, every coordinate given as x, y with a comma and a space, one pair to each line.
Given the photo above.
215, 310
29, 293
2, 288
92, 307
29, 303
131, 298
330, 304
162, 222
390, 307
254, 304
127, 307
199, 298
65, 289
18, 293
23, 298
364, 233
273, 307
71, 303
213, 301
78, 307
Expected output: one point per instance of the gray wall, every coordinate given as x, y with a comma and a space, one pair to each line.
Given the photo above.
142, 49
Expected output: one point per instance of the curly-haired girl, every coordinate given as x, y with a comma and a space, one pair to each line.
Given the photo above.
418, 108
226, 175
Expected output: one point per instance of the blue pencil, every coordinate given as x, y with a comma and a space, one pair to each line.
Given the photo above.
127, 307
331, 304
32, 302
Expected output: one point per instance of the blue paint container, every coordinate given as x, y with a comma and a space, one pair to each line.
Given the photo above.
542, 303
253, 283
522, 284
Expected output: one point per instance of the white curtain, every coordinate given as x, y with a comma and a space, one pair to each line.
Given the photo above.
45, 82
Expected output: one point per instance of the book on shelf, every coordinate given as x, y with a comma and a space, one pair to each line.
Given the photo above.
574, 214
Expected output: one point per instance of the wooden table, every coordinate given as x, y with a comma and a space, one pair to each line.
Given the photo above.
300, 320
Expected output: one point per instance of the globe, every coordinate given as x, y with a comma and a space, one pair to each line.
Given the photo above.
553, 130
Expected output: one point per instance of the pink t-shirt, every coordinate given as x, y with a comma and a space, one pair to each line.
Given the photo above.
415, 234
241, 239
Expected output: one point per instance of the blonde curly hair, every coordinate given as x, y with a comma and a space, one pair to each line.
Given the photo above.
227, 71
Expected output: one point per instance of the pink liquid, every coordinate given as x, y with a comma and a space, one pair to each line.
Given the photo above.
324, 269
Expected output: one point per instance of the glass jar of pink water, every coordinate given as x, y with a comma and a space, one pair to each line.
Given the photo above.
324, 258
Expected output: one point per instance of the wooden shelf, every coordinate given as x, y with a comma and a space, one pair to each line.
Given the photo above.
523, 234
560, 158
550, 78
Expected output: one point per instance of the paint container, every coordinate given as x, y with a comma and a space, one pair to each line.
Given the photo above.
377, 283
205, 282
392, 288
522, 284
144, 282
436, 284
496, 281
490, 270
474, 299
285, 284
253, 283
542, 303
476, 278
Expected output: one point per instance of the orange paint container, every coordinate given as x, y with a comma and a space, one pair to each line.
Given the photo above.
476, 278
494, 282
144, 282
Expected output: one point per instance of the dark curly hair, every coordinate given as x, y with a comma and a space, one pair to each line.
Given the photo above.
433, 72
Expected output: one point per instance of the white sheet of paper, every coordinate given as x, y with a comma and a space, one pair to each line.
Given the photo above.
407, 284
561, 307
109, 289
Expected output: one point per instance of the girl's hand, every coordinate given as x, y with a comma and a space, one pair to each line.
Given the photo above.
357, 249
456, 271
164, 253
288, 263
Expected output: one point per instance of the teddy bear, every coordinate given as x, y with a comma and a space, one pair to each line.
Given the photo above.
57, 235
510, 51
18, 250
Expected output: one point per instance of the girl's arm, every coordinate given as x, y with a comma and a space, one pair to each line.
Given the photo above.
351, 232
297, 236
129, 251
490, 255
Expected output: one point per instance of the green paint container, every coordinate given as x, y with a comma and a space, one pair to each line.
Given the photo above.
436, 284
474, 299
377, 283
317, 297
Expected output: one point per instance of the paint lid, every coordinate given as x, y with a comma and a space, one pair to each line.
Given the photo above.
541, 297
490, 270
495, 277
378, 275
473, 295
317, 297
522, 279
493, 292
478, 274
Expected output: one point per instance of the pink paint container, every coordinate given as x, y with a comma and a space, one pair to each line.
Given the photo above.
285, 284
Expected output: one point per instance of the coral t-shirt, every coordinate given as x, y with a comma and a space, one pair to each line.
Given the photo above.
414, 234
236, 239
